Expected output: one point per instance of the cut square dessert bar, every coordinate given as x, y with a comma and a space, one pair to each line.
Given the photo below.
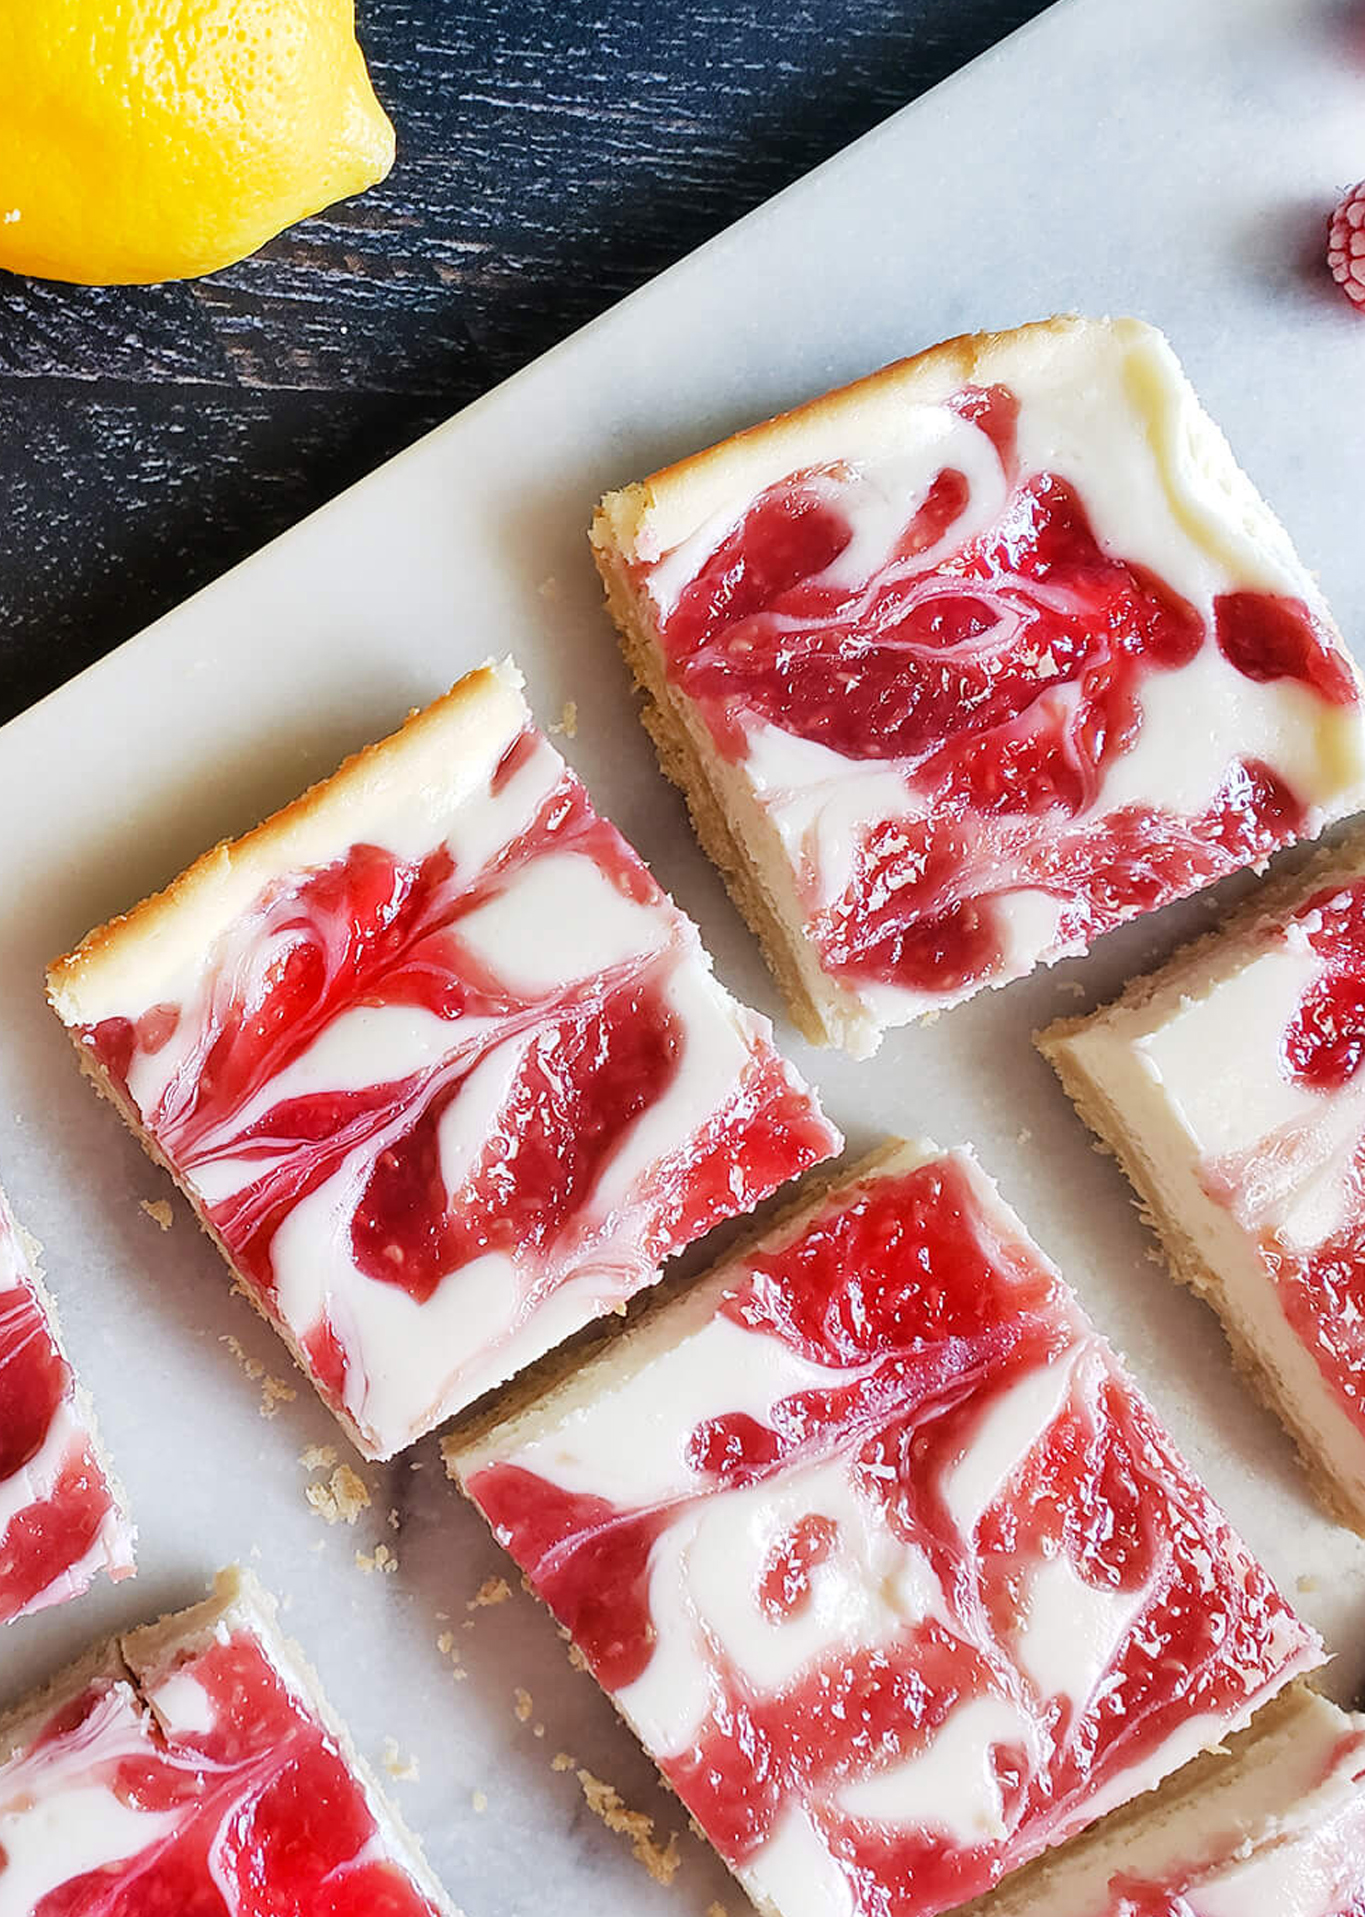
1229, 1086
975, 660
442, 1069
62, 1515
1274, 1828
881, 1554
192, 1766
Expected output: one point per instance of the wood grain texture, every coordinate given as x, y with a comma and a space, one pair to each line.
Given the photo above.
553, 155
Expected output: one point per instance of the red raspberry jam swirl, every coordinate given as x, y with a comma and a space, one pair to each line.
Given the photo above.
257, 1816
374, 930
1000, 672
1322, 1290
61, 1523
925, 1314
1309, 1861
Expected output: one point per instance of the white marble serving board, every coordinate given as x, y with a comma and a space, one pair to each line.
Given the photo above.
1174, 158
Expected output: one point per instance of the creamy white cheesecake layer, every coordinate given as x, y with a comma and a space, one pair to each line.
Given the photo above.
446, 763
821, 805
535, 939
1104, 404
60, 1819
192, 1763
1278, 1830
1106, 408
413, 1357
40, 1488
1199, 1079
620, 1439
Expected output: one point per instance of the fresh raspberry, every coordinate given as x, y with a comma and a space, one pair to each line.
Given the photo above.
1346, 245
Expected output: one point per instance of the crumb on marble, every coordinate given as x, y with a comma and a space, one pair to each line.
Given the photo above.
274, 1391
446, 1645
660, 1860
479, 1802
1305, 1583
159, 1211
716, 1910
1024, 1136
576, 1657
318, 1457
380, 1559
491, 1591
253, 1367
342, 1498
568, 720
537, 1730
395, 1522
561, 1761
405, 1770
522, 1705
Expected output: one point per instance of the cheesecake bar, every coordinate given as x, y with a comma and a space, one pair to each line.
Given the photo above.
441, 1068
881, 1554
192, 1767
1229, 1087
1274, 1828
974, 660
62, 1514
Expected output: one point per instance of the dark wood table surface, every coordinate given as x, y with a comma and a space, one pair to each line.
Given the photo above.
552, 155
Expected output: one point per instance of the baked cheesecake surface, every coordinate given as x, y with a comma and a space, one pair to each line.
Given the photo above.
61, 1518
201, 1781
444, 1070
1273, 1827
1230, 1084
978, 659
883, 1556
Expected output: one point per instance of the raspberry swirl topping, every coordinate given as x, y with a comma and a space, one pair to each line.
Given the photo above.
985, 729
60, 1522
1299, 1188
888, 1563
225, 1798
444, 1105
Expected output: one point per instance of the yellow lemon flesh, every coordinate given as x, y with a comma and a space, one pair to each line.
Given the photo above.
146, 140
